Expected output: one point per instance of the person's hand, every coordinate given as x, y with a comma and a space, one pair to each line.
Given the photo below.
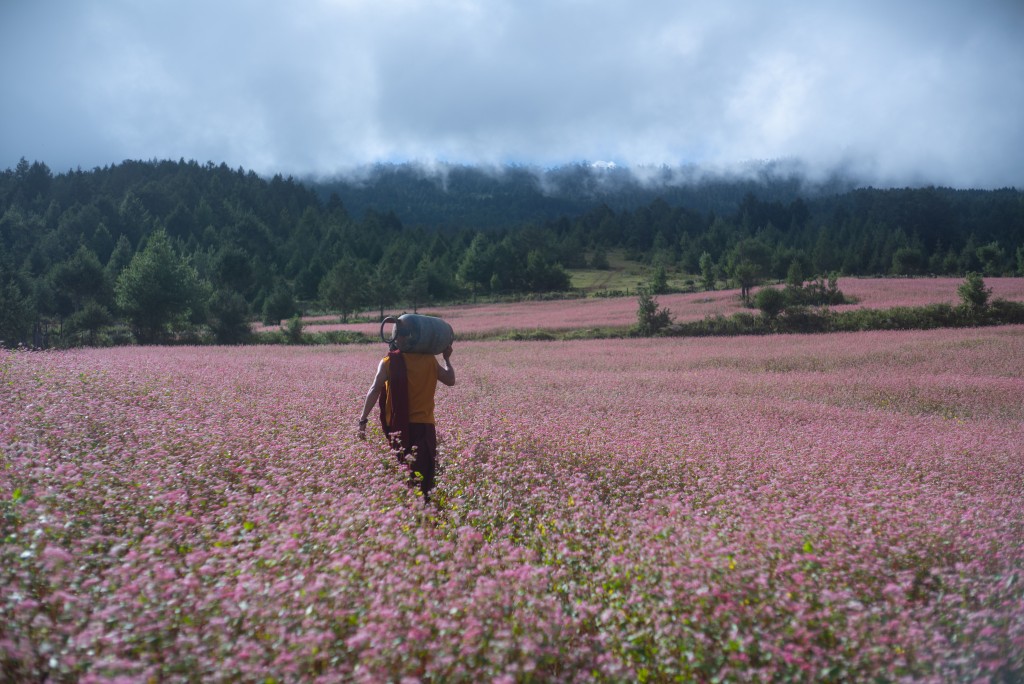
447, 353
362, 428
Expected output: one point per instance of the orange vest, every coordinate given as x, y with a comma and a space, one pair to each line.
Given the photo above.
422, 372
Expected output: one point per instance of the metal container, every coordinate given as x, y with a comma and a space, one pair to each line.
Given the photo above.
427, 334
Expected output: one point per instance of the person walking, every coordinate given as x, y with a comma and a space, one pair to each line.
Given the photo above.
404, 388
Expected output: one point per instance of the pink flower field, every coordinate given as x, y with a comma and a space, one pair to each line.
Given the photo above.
571, 314
844, 507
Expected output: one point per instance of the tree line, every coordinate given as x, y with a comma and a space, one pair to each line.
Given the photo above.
160, 251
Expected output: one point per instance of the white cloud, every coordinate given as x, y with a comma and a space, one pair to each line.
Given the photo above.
912, 92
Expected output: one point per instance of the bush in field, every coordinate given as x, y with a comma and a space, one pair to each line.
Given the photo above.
770, 301
817, 292
973, 294
651, 319
293, 332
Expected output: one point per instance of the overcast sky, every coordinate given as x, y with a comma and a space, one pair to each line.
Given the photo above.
902, 91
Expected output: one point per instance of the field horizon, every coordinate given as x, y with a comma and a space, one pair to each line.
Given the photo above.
491, 318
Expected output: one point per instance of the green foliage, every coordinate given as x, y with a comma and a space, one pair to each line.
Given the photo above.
158, 292
795, 274
821, 320
78, 282
542, 274
233, 269
477, 264
344, 288
120, 257
991, 258
89, 321
771, 301
746, 273
973, 294
599, 259
817, 292
229, 317
650, 318
707, 272
294, 330
908, 261
279, 305
659, 280
16, 315
421, 240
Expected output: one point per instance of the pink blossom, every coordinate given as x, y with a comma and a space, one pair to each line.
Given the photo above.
730, 509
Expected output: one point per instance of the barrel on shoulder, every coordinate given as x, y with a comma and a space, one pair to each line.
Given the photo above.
427, 334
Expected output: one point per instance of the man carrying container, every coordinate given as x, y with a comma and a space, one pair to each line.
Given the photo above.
404, 389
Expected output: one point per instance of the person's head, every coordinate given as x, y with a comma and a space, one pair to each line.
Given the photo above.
403, 333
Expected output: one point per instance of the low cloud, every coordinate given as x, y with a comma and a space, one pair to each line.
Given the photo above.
904, 93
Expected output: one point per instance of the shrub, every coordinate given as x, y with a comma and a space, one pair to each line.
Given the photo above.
973, 293
294, 330
651, 319
770, 301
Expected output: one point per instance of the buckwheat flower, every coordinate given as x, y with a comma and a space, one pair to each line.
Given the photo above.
54, 557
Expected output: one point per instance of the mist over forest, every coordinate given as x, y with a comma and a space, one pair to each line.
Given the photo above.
156, 251
456, 195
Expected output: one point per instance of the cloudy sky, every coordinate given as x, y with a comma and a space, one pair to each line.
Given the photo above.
901, 91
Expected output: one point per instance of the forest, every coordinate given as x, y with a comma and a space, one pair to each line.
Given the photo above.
178, 251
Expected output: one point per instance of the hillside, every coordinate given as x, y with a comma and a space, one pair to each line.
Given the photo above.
165, 251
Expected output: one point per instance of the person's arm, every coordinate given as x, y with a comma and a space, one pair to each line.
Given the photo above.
372, 396
446, 374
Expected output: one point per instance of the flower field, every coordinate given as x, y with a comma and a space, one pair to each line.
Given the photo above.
570, 314
845, 507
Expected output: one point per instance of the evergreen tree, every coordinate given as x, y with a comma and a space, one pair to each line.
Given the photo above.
381, 286
280, 305
229, 317
659, 280
90, 319
991, 257
650, 318
16, 314
81, 279
707, 272
974, 295
746, 275
477, 265
343, 289
120, 257
158, 292
542, 275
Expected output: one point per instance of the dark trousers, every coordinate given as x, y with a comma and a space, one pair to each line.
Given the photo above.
421, 456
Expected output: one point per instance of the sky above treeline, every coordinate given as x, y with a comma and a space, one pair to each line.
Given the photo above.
906, 92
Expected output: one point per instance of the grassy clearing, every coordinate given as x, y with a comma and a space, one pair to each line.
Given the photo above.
623, 275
